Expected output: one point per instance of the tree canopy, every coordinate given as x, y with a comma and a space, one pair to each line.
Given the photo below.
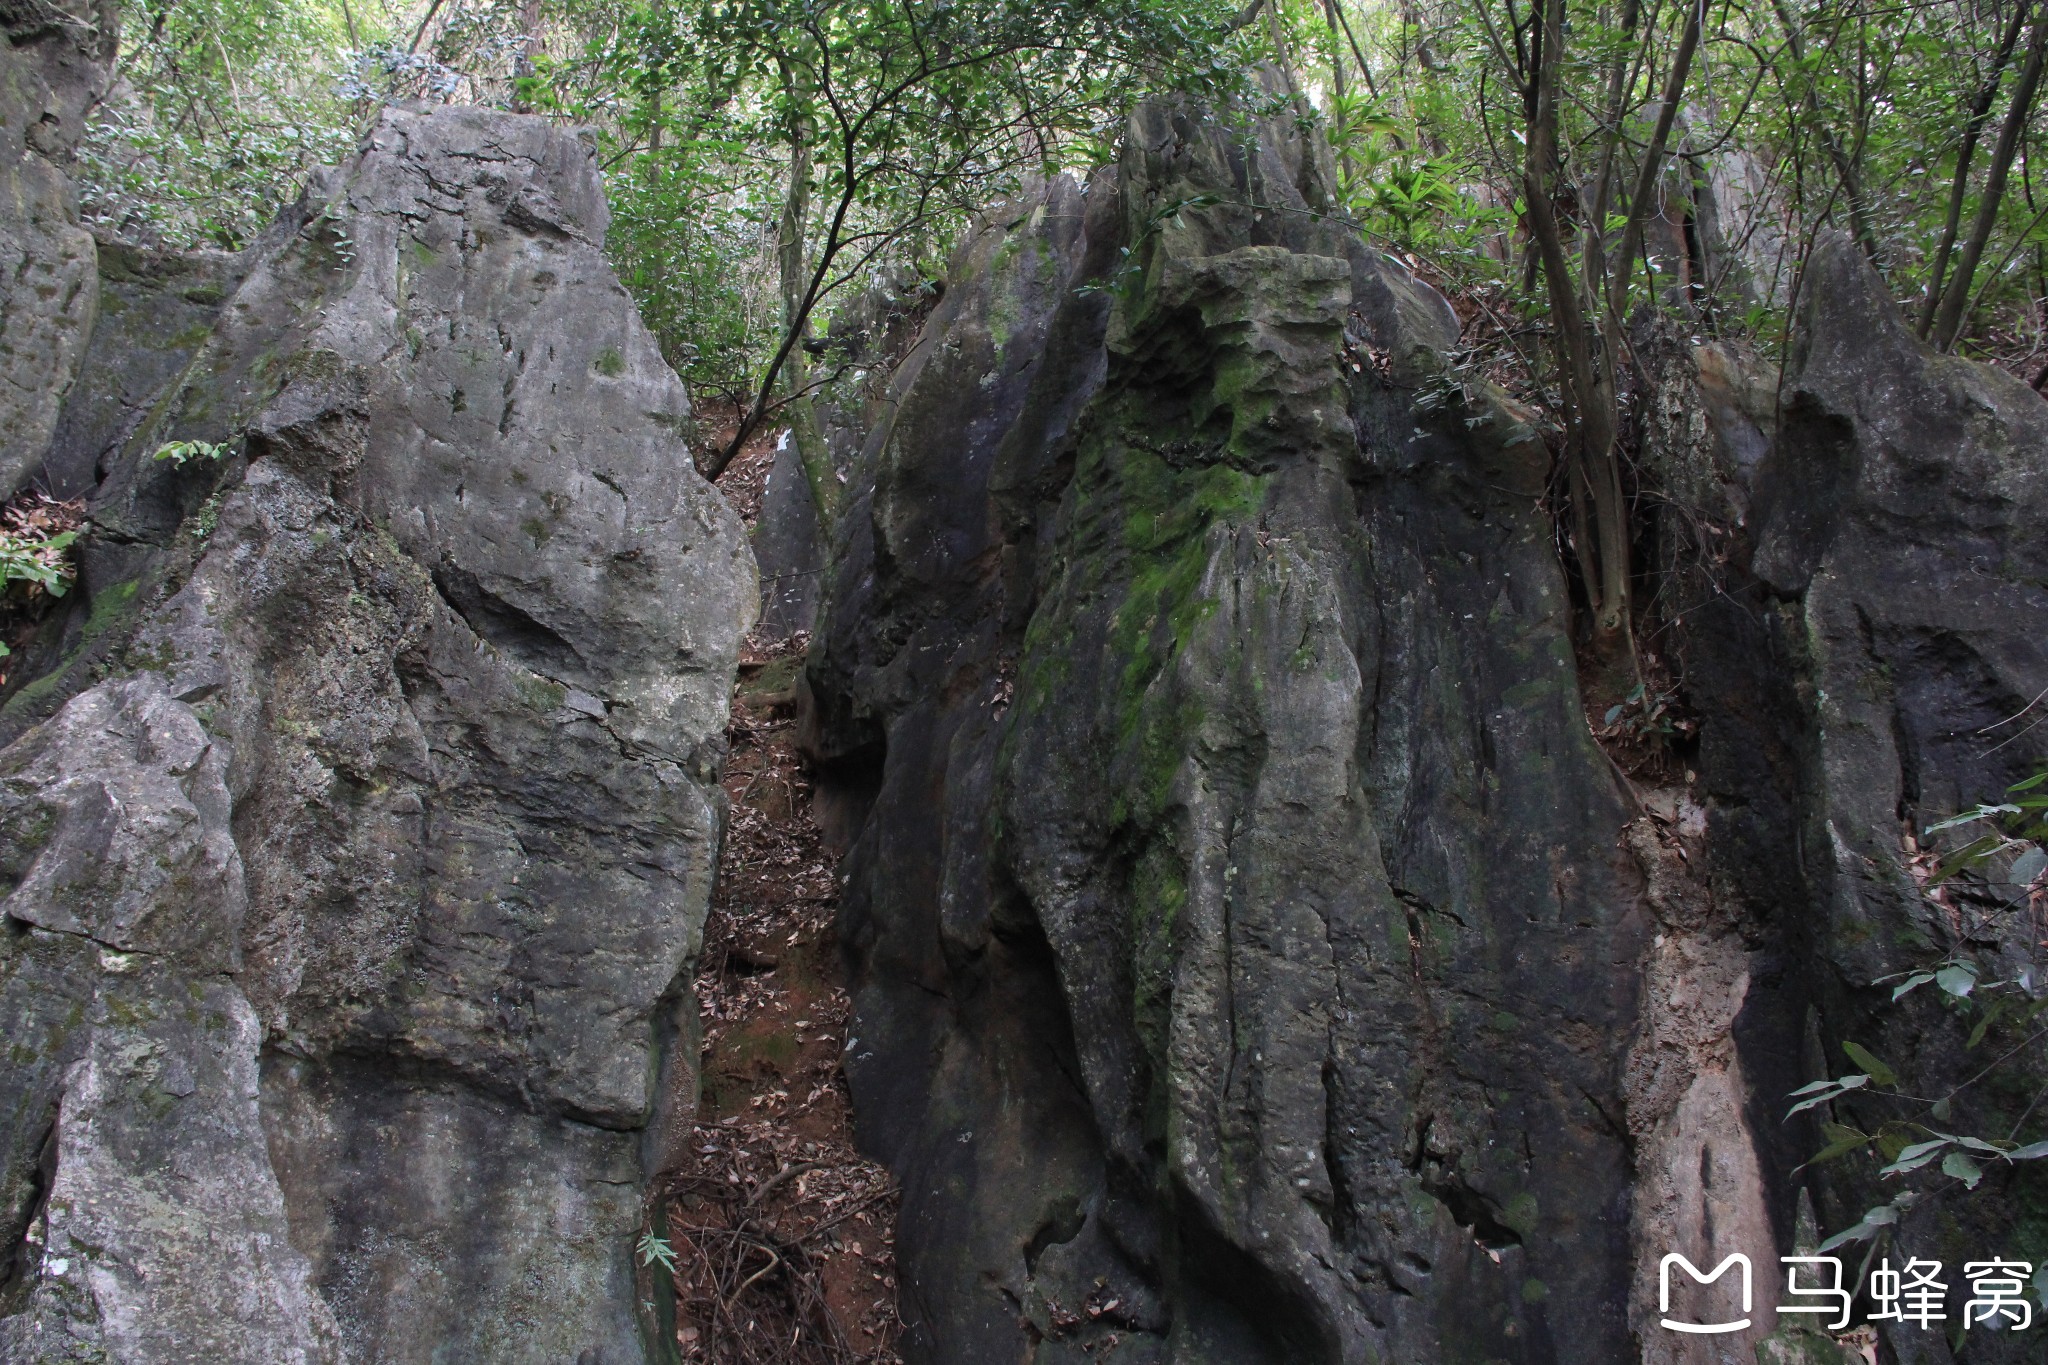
1556, 166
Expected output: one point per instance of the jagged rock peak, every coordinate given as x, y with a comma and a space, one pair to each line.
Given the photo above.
352, 906
1255, 958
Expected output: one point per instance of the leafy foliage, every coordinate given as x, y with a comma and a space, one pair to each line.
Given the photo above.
36, 535
221, 108
842, 139
181, 453
2004, 857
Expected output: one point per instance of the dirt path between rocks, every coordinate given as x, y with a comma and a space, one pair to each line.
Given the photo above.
780, 1236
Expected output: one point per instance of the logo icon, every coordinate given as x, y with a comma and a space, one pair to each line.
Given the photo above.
1703, 1329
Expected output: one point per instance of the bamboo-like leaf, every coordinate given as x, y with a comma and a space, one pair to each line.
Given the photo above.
1864, 1058
1844, 1141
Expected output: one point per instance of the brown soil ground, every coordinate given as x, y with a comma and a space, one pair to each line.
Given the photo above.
781, 1234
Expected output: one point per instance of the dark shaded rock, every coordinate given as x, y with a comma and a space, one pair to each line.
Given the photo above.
156, 310
1903, 518
1246, 948
789, 546
1256, 959
1859, 614
848, 372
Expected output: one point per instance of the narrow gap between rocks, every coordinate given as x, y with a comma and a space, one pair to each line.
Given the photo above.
780, 1235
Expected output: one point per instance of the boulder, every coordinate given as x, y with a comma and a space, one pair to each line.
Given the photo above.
429, 674
1245, 942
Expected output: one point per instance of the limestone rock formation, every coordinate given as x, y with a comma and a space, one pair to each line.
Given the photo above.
1239, 865
1256, 960
55, 61
1879, 674
356, 870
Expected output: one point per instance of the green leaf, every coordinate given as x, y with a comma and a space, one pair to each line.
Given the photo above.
2027, 867
1883, 1216
1984, 1024
1913, 983
1842, 1141
1879, 1072
1962, 1168
1970, 817
1840, 1088
1957, 979
1969, 855
1914, 1157
2033, 1151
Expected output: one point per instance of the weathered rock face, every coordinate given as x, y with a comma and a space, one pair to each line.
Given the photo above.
55, 60
350, 910
808, 483
1256, 959
1245, 939
1879, 672
156, 310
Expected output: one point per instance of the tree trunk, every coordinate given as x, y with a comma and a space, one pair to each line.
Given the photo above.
1364, 70
1860, 224
529, 24
801, 282
1337, 82
1959, 188
1598, 513
1652, 167
1955, 299
789, 249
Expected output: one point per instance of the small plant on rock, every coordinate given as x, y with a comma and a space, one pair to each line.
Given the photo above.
182, 453
36, 534
653, 1249
2000, 868
1645, 715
